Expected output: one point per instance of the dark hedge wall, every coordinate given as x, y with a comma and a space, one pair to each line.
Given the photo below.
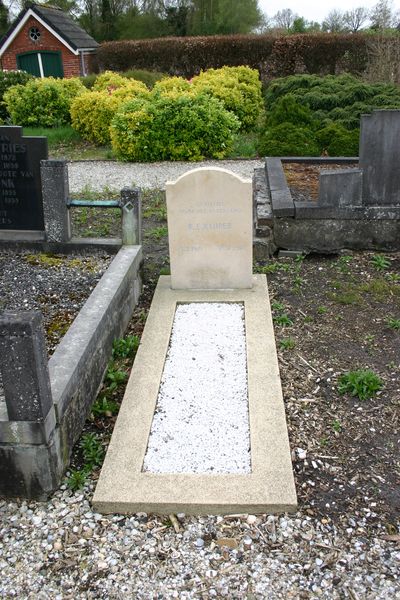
273, 56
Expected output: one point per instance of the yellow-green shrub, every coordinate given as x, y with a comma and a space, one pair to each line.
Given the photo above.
171, 85
108, 80
238, 88
173, 127
42, 102
130, 90
92, 112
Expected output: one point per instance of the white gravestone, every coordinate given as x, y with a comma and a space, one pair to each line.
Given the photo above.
210, 229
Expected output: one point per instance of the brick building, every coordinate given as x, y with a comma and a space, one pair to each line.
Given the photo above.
46, 42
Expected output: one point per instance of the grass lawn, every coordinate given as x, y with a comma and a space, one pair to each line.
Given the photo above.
65, 142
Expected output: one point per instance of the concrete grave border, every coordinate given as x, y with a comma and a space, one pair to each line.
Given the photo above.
124, 488
42, 415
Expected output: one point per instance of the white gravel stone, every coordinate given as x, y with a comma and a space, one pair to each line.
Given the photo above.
202, 424
98, 175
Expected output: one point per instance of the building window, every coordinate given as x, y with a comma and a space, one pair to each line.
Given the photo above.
34, 34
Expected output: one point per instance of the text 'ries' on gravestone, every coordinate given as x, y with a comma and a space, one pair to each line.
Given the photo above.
21, 206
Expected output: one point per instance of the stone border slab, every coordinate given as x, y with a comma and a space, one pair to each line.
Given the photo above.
124, 488
281, 198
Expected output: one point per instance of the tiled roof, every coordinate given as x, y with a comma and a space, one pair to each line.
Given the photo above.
60, 23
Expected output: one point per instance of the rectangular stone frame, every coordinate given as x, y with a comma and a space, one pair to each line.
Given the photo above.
124, 488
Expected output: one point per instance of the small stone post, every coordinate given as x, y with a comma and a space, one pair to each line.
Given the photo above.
55, 196
23, 365
30, 450
131, 217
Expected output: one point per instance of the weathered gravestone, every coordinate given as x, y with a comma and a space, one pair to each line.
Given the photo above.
21, 206
188, 398
210, 225
380, 157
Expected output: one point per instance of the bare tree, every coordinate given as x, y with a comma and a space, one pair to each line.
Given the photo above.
382, 16
354, 19
284, 18
334, 22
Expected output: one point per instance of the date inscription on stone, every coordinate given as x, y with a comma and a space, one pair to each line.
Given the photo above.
21, 204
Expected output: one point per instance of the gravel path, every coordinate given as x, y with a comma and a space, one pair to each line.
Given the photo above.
61, 550
97, 175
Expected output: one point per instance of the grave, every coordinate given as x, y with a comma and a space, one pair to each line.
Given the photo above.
357, 208
202, 426
21, 202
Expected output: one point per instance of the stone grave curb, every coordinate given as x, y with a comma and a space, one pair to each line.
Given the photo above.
35, 453
124, 488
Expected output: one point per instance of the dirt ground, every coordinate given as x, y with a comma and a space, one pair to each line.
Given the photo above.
303, 179
344, 314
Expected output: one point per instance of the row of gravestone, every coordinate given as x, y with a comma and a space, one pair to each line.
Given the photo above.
376, 184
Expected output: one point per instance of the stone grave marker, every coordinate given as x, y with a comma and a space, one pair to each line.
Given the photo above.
207, 405
21, 206
210, 230
379, 157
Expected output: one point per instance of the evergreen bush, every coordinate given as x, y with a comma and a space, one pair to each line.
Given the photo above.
288, 139
92, 112
42, 102
171, 84
238, 88
175, 126
334, 98
288, 110
8, 79
108, 81
336, 140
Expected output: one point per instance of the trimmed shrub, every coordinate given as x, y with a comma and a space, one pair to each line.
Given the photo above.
7, 80
91, 115
342, 99
238, 88
335, 140
42, 102
172, 84
108, 81
287, 139
288, 110
173, 127
92, 112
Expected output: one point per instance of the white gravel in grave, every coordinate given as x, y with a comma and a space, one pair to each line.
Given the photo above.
201, 421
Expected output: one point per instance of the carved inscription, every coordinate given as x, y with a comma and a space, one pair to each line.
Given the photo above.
210, 230
20, 183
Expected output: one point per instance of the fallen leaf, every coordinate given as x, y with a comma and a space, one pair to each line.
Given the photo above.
228, 542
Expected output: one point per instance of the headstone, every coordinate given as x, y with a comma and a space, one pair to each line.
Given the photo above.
21, 205
379, 157
210, 229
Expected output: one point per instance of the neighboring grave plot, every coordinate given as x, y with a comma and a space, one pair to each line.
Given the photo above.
168, 412
21, 206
